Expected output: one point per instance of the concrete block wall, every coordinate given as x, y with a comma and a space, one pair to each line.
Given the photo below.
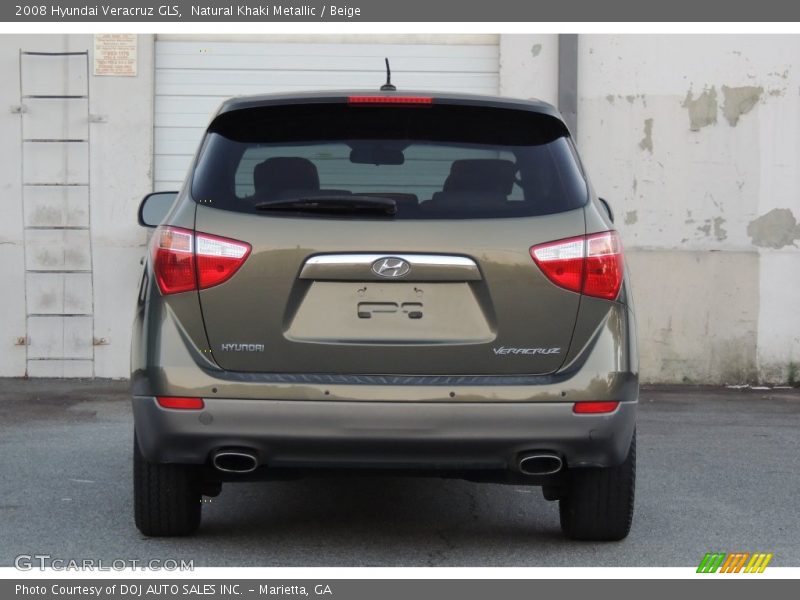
695, 140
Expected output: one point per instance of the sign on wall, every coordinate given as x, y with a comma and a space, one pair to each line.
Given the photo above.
115, 54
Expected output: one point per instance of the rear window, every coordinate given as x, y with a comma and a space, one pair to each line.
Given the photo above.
435, 162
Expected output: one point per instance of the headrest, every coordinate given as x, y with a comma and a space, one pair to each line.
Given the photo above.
481, 175
282, 173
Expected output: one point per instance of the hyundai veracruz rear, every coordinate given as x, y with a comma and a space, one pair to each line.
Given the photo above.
423, 284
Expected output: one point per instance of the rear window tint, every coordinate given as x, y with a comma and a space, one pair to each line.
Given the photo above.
437, 162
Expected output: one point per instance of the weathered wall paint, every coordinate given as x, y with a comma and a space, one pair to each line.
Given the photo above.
702, 110
739, 101
529, 66
646, 143
776, 229
710, 196
697, 323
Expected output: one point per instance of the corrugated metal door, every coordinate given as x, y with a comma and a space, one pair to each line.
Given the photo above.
193, 77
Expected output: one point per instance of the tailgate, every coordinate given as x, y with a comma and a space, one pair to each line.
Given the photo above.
432, 297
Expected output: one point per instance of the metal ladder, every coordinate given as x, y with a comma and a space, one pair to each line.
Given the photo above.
59, 295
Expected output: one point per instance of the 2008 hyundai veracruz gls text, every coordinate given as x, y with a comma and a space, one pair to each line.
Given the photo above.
425, 284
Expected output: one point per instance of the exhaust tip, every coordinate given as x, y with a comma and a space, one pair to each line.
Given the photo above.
235, 461
540, 464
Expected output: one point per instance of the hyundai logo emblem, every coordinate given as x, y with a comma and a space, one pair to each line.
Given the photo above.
391, 267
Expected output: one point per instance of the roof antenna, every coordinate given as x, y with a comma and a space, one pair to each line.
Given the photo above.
388, 87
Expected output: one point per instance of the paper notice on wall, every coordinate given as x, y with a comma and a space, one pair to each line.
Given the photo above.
115, 54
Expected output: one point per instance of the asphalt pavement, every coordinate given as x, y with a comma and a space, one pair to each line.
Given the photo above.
718, 470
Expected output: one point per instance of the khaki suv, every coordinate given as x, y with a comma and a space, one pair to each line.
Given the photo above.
405, 282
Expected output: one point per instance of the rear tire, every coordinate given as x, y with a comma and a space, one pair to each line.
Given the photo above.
598, 504
166, 497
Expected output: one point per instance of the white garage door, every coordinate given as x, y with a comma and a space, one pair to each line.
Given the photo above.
194, 77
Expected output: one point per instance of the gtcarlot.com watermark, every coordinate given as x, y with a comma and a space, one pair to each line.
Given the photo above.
43, 562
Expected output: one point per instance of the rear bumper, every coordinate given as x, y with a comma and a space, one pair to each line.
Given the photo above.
413, 435
417, 422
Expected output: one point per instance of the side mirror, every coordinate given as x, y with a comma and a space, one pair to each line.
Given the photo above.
154, 208
607, 206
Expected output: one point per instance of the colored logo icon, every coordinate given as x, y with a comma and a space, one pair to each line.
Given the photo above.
735, 562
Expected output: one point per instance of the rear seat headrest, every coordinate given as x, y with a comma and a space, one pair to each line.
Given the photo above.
481, 175
281, 173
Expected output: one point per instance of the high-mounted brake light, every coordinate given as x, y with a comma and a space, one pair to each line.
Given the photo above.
184, 260
591, 264
594, 408
180, 403
407, 100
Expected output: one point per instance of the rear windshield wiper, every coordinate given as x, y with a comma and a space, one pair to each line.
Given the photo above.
333, 204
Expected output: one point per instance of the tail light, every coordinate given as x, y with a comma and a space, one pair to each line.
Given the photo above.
180, 403
173, 260
590, 264
218, 259
184, 260
594, 408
